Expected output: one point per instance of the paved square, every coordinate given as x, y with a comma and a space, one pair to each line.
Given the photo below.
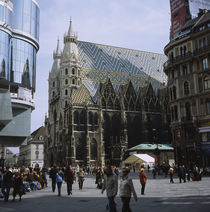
161, 196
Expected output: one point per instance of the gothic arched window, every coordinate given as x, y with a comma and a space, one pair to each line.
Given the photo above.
66, 81
174, 91
66, 71
186, 88
96, 119
188, 111
73, 81
82, 117
66, 92
90, 121
80, 153
73, 71
93, 150
207, 82
76, 117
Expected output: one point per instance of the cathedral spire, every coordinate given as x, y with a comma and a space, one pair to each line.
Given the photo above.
70, 31
57, 53
70, 36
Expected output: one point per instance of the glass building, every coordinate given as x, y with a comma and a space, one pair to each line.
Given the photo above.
19, 44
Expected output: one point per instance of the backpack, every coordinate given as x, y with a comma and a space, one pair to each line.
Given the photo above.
59, 179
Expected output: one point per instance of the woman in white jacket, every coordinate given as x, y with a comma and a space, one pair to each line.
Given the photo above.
126, 189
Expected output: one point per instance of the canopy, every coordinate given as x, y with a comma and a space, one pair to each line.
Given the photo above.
139, 158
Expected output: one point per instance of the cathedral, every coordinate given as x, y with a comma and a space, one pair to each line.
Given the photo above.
103, 100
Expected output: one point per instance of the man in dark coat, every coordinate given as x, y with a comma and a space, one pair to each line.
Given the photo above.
53, 173
6, 183
18, 186
69, 178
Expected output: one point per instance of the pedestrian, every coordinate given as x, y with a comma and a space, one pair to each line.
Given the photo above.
148, 167
171, 174
69, 178
59, 180
154, 172
81, 178
17, 186
143, 180
7, 183
99, 175
53, 173
111, 186
126, 189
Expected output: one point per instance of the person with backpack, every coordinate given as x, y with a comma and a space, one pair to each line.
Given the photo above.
59, 180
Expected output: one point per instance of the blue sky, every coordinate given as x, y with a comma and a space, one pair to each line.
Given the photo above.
136, 24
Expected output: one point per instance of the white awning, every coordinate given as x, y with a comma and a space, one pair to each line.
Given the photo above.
139, 158
204, 129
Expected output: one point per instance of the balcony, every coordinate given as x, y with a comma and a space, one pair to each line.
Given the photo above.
186, 56
203, 50
177, 59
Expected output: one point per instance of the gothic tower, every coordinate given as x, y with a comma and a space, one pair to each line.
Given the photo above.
70, 70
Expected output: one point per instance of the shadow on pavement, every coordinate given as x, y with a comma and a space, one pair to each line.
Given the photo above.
53, 203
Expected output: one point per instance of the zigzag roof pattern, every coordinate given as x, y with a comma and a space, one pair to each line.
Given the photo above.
120, 65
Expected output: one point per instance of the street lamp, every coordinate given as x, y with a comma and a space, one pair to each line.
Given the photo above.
156, 151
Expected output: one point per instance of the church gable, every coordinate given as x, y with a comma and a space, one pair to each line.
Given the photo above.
150, 99
130, 98
109, 97
81, 96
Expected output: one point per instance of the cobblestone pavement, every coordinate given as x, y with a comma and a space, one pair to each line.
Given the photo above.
161, 196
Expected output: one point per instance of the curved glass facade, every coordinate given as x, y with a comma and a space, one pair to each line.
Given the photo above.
17, 52
26, 17
6, 14
4, 54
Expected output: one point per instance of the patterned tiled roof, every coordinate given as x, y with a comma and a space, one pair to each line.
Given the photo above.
101, 62
81, 96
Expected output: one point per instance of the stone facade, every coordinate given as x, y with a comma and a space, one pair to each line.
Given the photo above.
103, 100
188, 74
32, 153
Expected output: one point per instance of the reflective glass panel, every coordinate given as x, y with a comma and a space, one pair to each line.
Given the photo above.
4, 54
18, 14
24, 59
1, 13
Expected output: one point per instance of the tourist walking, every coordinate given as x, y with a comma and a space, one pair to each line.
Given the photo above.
126, 189
6, 183
53, 173
69, 178
17, 186
59, 180
143, 180
111, 186
171, 174
81, 178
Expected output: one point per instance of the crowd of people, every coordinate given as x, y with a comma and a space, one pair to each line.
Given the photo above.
22, 180
27, 179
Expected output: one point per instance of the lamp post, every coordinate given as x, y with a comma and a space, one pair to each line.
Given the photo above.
156, 151
2, 159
